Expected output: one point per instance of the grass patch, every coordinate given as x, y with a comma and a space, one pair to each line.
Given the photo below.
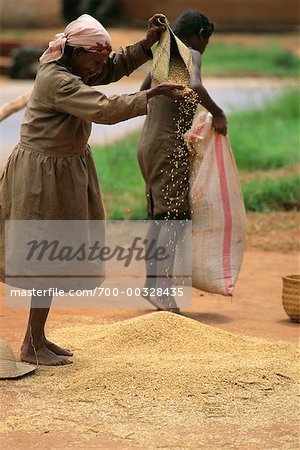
272, 194
267, 138
262, 139
121, 181
240, 60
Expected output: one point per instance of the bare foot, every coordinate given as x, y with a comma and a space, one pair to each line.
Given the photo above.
56, 349
43, 356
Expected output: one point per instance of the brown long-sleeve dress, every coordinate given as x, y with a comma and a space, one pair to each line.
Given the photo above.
50, 174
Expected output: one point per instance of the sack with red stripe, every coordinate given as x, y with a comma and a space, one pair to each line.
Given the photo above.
218, 212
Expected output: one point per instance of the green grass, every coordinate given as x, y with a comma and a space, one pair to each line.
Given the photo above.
240, 60
267, 138
272, 194
121, 181
262, 139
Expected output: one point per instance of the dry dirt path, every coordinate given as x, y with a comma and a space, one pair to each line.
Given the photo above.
255, 310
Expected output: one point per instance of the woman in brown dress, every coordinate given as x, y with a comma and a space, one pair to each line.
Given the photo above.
163, 156
50, 175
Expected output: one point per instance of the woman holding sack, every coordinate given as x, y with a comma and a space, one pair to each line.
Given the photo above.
51, 174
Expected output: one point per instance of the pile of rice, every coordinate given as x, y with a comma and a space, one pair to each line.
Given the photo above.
161, 378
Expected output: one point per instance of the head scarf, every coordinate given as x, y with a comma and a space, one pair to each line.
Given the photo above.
85, 32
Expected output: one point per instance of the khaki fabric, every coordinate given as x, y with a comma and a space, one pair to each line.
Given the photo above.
162, 154
163, 160
50, 174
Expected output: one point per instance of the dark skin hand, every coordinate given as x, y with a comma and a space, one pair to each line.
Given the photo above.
153, 32
171, 90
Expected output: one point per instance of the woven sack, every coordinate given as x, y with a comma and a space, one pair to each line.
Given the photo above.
162, 56
218, 213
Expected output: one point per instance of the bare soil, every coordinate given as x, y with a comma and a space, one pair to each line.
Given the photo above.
255, 310
274, 231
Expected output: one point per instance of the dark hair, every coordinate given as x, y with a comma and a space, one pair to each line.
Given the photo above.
191, 22
68, 50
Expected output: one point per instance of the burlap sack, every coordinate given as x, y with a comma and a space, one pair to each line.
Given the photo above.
218, 213
162, 56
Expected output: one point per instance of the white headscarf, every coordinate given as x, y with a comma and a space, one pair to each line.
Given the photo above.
84, 32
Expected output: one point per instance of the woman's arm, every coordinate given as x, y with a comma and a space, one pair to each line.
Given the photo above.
74, 97
121, 64
219, 121
82, 101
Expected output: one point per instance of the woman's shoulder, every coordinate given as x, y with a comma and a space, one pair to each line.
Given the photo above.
54, 73
49, 77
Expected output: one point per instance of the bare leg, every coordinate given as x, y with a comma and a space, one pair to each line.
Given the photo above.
156, 236
151, 237
34, 349
169, 235
149, 292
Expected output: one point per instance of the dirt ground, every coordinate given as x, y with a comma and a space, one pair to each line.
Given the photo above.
255, 310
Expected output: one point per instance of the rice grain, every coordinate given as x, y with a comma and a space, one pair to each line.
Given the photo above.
159, 372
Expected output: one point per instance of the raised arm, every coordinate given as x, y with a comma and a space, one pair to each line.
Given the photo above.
219, 121
121, 64
131, 57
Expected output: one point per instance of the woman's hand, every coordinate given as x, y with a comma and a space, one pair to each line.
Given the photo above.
154, 30
219, 123
171, 90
